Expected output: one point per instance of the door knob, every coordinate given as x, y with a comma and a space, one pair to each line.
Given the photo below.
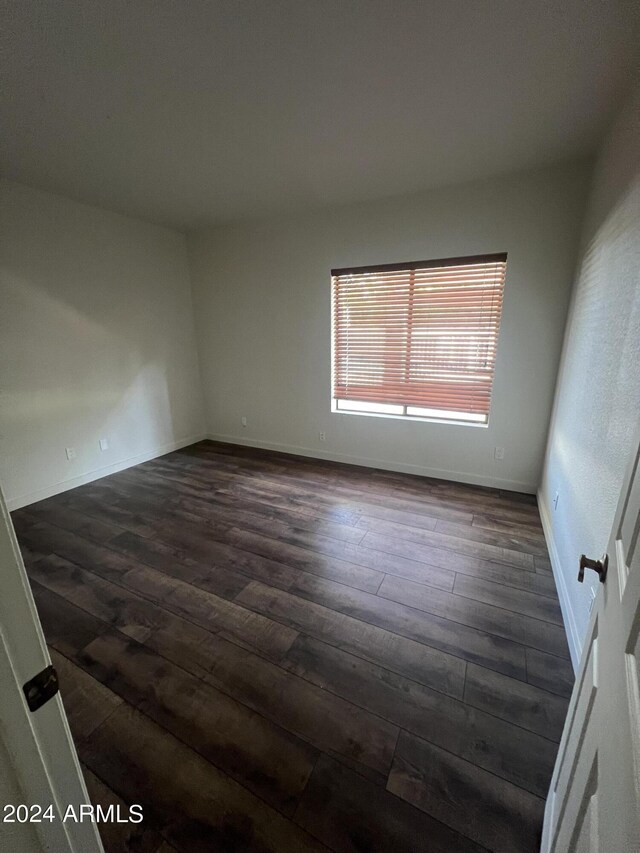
599, 566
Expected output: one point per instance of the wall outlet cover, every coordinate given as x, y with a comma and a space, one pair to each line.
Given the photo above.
71, 453
104, 444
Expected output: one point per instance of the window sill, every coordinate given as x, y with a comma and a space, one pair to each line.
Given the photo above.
413, 418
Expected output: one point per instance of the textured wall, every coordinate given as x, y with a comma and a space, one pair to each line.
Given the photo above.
96, 340
597, 406
262, 299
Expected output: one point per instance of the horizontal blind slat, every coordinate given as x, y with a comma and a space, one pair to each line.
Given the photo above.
424, 337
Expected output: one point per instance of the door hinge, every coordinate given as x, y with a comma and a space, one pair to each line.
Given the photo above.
598, 566
41, 688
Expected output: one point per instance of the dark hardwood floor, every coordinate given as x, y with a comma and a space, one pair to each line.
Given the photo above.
271, 653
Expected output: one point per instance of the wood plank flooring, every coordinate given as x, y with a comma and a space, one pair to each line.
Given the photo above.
271, 653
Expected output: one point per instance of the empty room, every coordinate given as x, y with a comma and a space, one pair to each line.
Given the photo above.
320, 426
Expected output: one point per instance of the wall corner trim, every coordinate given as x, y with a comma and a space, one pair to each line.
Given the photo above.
381, 464
573, 635
98, 473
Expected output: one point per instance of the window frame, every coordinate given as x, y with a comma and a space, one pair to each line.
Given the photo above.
440, 416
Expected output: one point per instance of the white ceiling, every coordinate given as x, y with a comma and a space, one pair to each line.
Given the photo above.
188, 112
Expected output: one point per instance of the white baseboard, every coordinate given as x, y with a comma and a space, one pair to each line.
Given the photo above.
369, 462
97, 473
573, 635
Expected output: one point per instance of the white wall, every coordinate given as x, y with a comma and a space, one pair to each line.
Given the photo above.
597, 405
96, 340
262, 298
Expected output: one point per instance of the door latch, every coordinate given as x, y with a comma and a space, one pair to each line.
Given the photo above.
41, 688
598, 566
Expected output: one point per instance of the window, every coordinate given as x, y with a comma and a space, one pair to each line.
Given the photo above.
417, 339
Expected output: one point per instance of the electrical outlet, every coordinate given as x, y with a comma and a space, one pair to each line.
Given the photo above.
322, 436
243, 421
71, 453
104, 444
498, 453
555, 501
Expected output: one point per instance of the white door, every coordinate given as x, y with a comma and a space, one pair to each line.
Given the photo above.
43, 768
594, 798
